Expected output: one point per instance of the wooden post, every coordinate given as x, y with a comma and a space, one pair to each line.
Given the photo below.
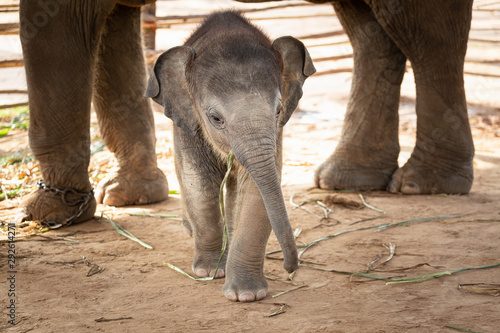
149, 26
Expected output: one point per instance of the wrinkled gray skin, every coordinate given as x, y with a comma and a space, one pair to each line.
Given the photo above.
229, 88
80, 50
76, 52
432, 35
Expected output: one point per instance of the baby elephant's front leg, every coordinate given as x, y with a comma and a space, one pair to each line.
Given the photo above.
200, 183
203, 216
245, 280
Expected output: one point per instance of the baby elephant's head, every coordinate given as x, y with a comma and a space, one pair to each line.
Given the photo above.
237, 93
232, 91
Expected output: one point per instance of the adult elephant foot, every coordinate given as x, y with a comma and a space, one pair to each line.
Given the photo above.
57, 207
432, 177
342, 171
245, 288
128, 187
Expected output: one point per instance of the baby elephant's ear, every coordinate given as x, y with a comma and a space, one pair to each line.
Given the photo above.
168, 86
297, 67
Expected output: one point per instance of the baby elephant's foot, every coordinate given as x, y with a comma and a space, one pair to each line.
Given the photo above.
63, 207
420, 178
128, 187
245, 288
204, 265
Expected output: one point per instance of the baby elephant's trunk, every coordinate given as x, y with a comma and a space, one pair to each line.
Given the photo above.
261, 165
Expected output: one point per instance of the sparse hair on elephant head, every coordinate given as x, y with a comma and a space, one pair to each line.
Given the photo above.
236, 89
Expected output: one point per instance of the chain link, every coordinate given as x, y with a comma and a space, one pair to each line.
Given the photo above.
82, 199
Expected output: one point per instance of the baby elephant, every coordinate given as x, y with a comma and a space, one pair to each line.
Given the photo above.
230, 88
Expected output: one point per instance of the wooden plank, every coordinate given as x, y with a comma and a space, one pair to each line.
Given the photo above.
13, 91
9, 28
334, 58
323, 35
11, 63
8, 106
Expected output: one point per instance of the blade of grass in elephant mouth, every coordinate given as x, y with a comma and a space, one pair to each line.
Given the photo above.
230, 160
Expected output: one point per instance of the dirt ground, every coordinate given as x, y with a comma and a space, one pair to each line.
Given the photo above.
136, 291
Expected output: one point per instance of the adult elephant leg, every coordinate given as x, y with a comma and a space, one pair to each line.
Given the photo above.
200, 175
125, 115
366, 156
60, 42
434, 38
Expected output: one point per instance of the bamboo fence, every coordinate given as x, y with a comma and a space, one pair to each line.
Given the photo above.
151, 22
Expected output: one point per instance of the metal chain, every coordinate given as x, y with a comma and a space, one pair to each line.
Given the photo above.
82, 200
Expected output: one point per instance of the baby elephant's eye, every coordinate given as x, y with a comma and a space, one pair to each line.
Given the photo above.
278, 110
216, 120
